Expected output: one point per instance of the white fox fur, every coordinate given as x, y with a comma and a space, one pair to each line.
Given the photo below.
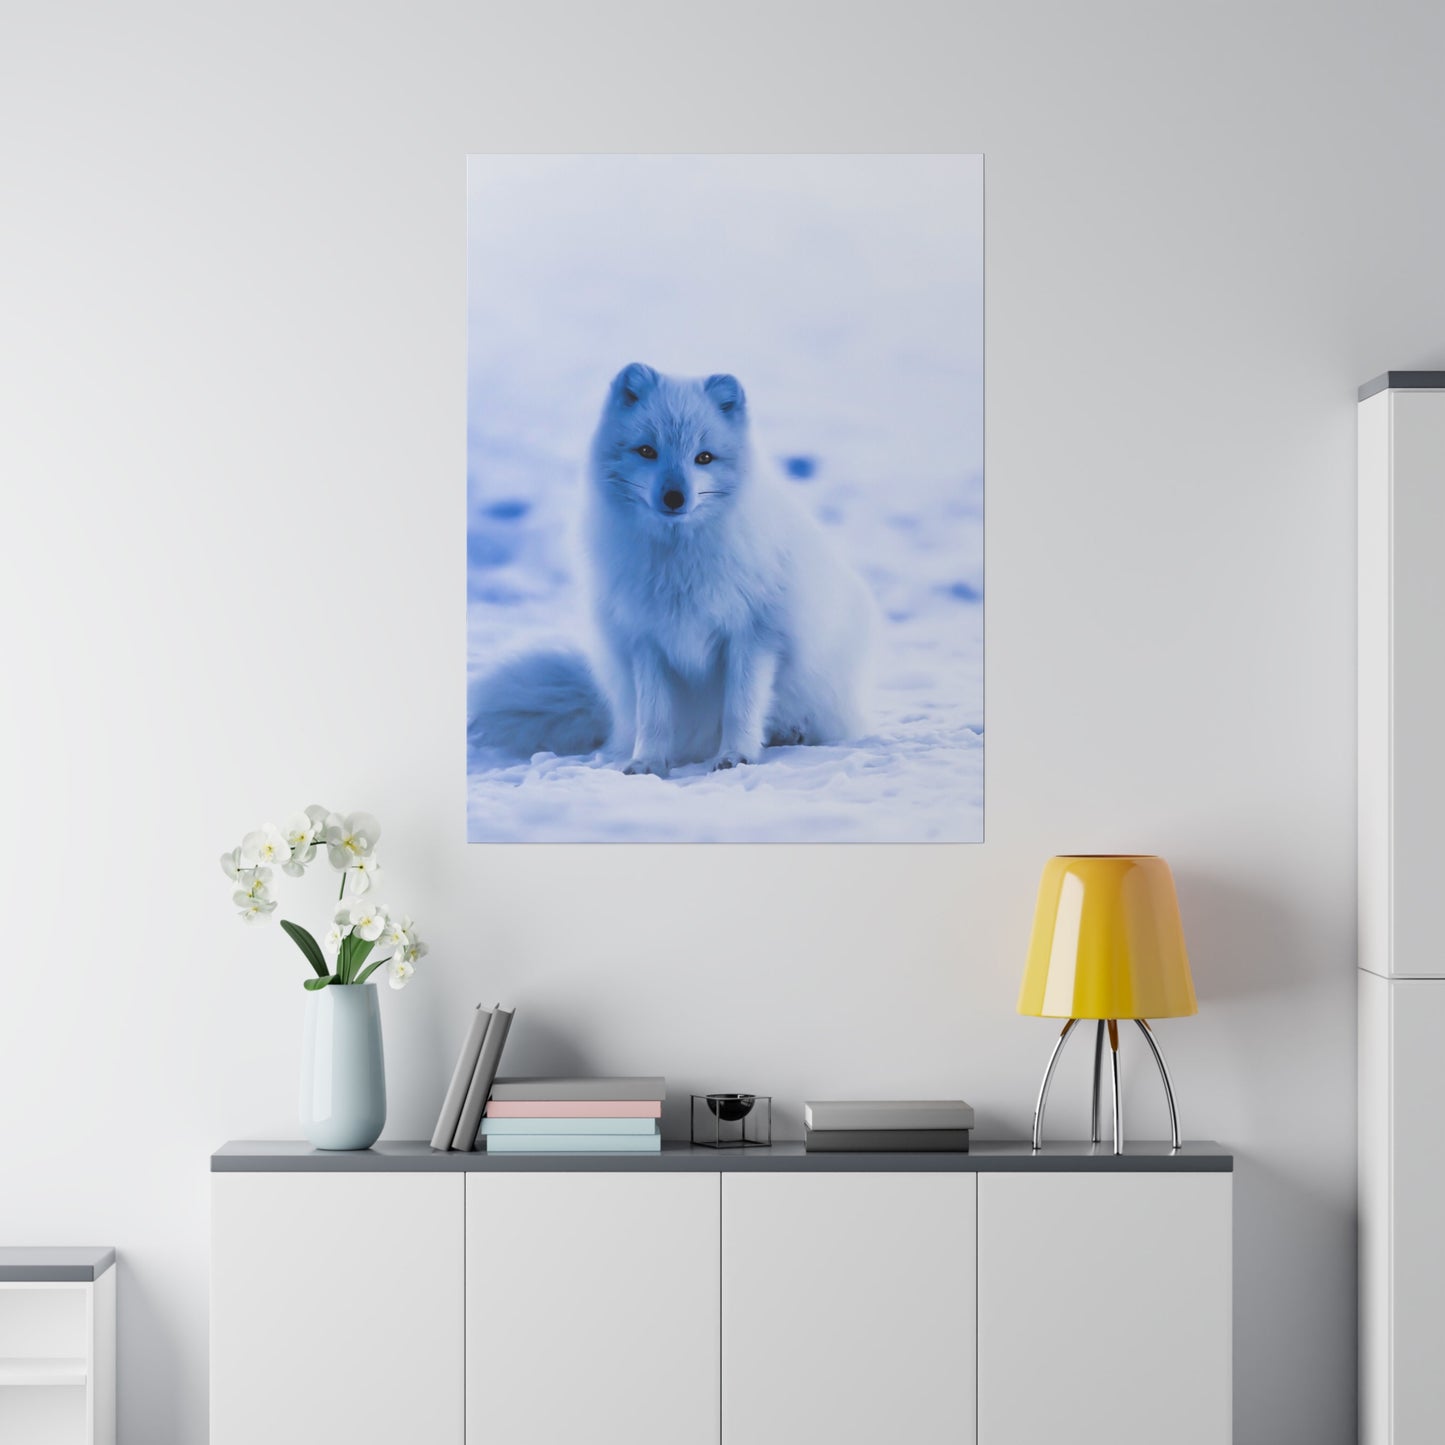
726, 619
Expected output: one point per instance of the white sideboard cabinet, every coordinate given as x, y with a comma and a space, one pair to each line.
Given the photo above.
705, 1297
1401, 496
57, 1346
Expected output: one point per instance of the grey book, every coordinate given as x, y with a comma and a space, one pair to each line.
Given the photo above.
451, 1113
889, 1114
482, 1077
886, 1141
539, 1091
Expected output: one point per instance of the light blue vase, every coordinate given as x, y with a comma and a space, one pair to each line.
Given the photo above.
343, 1078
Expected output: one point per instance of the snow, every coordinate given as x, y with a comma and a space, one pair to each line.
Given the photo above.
846, 293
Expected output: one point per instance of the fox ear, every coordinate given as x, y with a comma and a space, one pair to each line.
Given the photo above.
633, 382
726, 392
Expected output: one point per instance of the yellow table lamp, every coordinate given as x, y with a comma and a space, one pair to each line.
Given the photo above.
1107, 944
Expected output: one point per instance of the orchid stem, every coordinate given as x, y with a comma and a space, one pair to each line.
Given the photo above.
340, 970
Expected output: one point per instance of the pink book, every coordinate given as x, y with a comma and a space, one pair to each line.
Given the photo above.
575, 1109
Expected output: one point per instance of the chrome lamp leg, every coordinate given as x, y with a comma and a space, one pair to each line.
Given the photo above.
1063, 1038
1094, 1134
1164, 1075
1118, 1097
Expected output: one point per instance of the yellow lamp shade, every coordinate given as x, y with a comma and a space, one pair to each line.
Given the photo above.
1107, 942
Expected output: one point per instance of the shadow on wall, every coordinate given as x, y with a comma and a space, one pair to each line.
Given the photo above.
1284, 1226
1244, 942
534, 1046
541, 1049
148, 1377
1257, 964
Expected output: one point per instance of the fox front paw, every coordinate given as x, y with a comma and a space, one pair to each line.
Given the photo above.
736, 758
636, 767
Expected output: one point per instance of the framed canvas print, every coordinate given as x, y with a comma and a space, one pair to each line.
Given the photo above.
725, 498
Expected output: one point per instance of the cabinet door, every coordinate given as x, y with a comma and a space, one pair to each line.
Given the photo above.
336, 1309
1416, 1249
848, 1308
1417, 677
592, 1309
1104, 1309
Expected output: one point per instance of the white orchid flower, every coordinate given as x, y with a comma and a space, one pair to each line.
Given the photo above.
350, 838
368, 921
398, 932
254, 889
318, 817
412, 950
232, 866
363, 875
255, 907
267, 846
300, 833
398, 971
254, 883
299, 830
340, 928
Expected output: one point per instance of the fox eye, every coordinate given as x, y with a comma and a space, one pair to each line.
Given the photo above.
703, 458
650, 453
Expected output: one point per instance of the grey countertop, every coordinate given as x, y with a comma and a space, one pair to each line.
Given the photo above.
48, 1264
1403, 381
283, 1156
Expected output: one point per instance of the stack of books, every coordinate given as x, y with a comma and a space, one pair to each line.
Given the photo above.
913, 1126
575, 1116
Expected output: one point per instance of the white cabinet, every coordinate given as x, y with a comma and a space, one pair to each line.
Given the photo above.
336, 1308
1402, 1186
848, 1308
404, 1297
1402, 680
1104, 1308
592, 1309
1401, 867
57, 1359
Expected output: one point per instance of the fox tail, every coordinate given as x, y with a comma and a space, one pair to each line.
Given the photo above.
541, 702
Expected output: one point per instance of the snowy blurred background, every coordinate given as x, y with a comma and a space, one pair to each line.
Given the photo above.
846, 294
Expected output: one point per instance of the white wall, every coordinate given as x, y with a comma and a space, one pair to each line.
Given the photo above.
231, 378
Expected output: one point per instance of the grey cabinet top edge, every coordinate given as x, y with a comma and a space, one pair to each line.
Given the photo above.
1404, 381
52, 1264
1011, 1156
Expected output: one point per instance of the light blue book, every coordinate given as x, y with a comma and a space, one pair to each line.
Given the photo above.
574, 1144
494, 1127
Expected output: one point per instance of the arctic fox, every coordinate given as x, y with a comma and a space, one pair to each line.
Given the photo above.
726, 619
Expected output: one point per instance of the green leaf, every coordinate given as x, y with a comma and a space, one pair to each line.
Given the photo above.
371, 969
314, 983
308, 946
360, 948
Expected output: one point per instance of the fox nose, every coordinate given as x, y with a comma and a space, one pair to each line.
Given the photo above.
672, 499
